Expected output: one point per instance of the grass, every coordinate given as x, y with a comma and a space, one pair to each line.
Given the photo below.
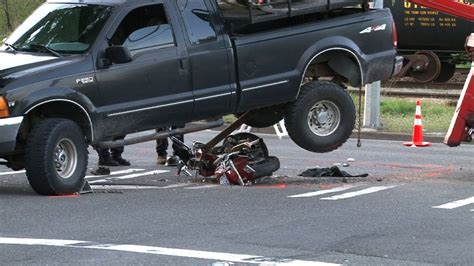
397, 114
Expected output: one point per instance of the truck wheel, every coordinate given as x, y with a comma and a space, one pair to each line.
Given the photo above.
266, 117
322, 118
56, 157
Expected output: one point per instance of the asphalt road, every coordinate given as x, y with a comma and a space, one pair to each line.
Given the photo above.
416, 207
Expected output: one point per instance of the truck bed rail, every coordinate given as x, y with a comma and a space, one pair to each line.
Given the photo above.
261, 11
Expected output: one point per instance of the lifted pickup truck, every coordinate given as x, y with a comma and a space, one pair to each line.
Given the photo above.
79, 73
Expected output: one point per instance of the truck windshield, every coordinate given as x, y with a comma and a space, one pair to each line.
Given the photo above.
60, 29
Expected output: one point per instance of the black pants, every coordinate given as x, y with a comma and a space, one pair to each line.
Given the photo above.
162, 144
115, 152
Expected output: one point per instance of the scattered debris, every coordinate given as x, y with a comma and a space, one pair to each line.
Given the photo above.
350, 159
101, 171
345, 165
379, 179
325, 172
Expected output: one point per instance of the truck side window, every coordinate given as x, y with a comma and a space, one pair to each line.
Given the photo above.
143, 28
197, 20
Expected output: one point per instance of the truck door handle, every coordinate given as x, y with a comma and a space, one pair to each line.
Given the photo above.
183, 69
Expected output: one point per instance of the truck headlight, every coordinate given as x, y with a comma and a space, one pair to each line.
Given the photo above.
3, 108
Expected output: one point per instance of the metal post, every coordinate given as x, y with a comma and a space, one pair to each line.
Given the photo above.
372, 96
372, 106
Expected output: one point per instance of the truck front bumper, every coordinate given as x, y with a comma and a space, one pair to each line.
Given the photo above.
8, 132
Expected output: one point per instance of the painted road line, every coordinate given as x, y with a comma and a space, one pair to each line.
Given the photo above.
123, 187
160, 251
321, 192
122, 172
176, 186
456, 204
201, 187
156, 172
358, 193
13, 173
131, 187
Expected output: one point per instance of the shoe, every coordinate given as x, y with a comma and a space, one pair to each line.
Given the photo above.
121, 161
161, 160
108, 161
172, 161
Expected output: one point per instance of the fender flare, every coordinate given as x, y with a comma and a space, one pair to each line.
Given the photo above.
62, 95
328, 45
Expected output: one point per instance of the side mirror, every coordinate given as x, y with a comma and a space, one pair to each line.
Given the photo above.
118, 54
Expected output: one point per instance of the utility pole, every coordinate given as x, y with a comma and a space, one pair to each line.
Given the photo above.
372, 95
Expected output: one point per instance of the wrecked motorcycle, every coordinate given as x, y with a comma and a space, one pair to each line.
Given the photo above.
241, 159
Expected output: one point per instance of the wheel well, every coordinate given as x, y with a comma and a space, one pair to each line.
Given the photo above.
341, 65
59, 109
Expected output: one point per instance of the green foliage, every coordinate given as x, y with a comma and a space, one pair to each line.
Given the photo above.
398, 115
18, 11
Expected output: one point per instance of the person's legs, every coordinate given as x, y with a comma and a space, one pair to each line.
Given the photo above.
161, 149
105, 159
117, 153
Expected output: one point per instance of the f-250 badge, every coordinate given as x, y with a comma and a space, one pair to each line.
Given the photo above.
374, 29
85, 80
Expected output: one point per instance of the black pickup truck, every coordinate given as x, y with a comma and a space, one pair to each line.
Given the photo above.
82, 72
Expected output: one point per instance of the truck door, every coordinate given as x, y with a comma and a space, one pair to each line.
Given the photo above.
209, 59
154, 89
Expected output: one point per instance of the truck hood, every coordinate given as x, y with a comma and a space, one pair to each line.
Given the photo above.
10, 60
19, 65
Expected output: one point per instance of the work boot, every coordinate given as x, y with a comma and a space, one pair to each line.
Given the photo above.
121, 161
108, 161
161, 160
172, 161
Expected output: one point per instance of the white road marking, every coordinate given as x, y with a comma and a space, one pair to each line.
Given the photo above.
321, 192
456, 204
156, 172
176, 186
13, 173
128, 171
123, 187
183, 253
358, 193
201, 187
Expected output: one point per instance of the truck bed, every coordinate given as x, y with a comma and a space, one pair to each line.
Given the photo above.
279, 55
256, 13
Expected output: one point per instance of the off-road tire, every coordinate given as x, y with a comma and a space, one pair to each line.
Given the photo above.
50, 139
320, 94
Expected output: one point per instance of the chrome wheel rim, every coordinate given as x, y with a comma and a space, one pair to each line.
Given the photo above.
324, 118
65, 158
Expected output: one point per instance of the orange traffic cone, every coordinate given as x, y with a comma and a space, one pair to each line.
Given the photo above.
417, 140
